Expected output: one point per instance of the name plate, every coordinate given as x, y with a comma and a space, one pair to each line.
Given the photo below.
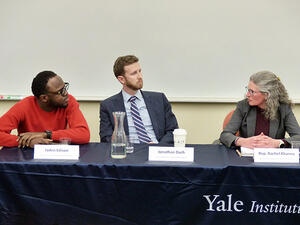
276, 155
247, 152
173, 154
56, 152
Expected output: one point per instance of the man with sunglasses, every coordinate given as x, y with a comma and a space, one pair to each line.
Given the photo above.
48, 116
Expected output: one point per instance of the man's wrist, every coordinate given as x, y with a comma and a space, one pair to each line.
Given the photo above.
48, 134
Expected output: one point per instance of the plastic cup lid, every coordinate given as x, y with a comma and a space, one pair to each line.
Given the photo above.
179, 132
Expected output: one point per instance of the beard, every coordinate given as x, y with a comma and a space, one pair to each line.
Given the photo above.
135, 86
62, 104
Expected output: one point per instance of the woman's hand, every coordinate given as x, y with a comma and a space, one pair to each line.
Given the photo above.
259, 141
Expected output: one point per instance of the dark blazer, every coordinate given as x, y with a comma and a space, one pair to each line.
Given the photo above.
244, 121
163, 120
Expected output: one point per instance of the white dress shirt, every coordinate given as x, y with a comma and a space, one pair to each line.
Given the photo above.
144, 115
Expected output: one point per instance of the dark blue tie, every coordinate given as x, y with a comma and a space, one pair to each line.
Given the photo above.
138, 123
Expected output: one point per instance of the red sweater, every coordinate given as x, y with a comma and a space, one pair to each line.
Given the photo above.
27, 116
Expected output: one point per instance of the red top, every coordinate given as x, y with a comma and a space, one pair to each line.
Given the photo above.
262, 123
27, 116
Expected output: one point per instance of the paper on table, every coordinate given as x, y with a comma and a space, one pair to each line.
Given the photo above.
247, 151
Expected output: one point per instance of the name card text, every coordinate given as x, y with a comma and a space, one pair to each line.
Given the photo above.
173, 154
56, 152
276, 155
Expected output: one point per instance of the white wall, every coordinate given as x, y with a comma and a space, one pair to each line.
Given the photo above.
194, 50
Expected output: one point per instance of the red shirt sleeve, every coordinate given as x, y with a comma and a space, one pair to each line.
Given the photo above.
8, 122
77, 129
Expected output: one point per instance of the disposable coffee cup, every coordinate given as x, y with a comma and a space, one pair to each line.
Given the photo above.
179, 137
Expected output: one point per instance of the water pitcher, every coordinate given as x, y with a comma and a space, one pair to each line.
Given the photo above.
118, 139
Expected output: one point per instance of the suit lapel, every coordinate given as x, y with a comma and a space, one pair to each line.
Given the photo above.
150, 104
251, 122
274, 124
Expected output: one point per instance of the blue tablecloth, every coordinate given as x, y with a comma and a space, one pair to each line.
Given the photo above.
219, 187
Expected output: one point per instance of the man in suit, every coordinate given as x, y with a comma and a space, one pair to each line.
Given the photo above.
155, 111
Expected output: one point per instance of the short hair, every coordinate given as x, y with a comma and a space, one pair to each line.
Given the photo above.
270, 83
39, 83
123, 61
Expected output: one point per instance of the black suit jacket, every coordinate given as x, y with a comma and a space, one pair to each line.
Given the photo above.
163, 120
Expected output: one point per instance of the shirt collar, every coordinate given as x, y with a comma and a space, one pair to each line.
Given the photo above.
127, 96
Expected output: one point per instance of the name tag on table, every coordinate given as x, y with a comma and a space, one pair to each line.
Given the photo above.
247, 152
276, 155
56, 152
171, 154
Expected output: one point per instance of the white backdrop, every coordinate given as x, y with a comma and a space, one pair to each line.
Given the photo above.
193, 50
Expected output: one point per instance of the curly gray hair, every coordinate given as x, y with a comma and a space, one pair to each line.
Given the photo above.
269, 83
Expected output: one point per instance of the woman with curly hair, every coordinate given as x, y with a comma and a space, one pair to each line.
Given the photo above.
263, 117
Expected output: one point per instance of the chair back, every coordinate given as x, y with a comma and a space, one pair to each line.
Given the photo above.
227, 119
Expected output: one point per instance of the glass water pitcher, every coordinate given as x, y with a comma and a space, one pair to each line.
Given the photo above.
118, 139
